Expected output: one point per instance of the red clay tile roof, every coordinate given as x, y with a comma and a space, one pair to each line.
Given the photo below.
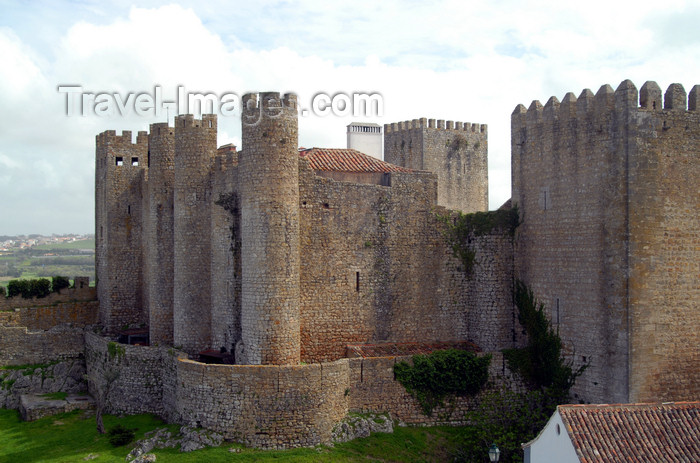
346, 160
395, 349
634, 432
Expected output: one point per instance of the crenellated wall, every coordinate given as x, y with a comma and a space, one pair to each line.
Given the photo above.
601, 182
455, 151
664, 264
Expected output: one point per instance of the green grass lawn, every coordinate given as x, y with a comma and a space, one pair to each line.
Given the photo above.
72, 437
80, 244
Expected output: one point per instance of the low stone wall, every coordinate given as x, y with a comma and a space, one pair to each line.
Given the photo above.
374, 389
142, 373
265, 406
20, 346
66, 295
46, 317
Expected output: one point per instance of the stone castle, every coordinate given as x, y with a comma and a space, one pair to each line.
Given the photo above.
277, 286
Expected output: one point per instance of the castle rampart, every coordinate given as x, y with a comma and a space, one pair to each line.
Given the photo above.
589, 177
269, 194
456, 151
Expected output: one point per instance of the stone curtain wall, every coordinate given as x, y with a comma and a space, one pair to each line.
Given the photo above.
376, 267
265, 406
20, 346
607, 189
665, 245
225, 255
457, 152
374, 389
66, 295
77, 314
120, 170
144, 373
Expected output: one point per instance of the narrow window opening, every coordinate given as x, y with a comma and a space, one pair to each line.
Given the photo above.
120, 161
557, 311
128, 209
134, 161
209, 123
545, 200
357, 282
326, 206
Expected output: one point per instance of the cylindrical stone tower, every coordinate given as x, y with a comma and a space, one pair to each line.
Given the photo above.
161, 177
195, 146
269, 195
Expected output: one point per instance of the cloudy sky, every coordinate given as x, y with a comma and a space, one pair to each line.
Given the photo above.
471, 61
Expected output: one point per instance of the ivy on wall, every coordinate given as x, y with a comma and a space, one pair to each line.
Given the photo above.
460, 229
446, 372
540, 363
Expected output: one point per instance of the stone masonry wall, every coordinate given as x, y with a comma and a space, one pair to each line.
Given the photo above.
195, 147
65, 295
225, 255
374, 389
607, 194
78, 314
569, 184
159, 236
20, 346
144, 374
265, 406
456, 152
665, 245
392, 276
269, 197
119, 177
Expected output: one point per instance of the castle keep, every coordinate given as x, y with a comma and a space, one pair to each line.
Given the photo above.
278, 286
277, 256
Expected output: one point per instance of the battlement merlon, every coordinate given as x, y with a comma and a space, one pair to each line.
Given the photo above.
188, 120
269, 101
110, 137
624, 98
433, 124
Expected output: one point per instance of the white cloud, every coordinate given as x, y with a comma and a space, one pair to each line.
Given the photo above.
454, 60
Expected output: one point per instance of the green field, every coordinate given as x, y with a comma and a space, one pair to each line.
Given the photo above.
80, 244
72, 438
76, 258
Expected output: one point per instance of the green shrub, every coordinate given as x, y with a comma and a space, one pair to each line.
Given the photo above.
39, 288
442, 373
120, 435
17, 288
2, 291
58, 283
29, 288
